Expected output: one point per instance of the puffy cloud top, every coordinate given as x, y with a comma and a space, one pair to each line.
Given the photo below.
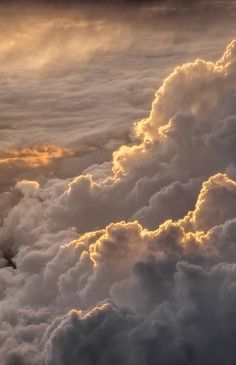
133, 261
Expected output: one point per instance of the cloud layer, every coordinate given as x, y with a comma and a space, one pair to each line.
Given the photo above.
132, 261
78, 76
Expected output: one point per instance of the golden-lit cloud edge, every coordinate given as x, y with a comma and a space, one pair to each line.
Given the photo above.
33, 156
87, 250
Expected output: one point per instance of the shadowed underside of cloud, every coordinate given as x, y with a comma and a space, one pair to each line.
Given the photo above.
140, 251
171, 291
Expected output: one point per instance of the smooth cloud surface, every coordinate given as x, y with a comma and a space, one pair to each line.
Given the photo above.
140, 251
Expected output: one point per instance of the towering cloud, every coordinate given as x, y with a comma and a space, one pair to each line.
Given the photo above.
133, 261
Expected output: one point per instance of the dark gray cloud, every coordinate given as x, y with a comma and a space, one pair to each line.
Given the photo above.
177, 333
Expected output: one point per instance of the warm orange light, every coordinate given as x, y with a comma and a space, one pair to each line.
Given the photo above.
33, 156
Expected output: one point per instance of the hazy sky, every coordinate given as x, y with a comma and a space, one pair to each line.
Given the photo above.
117, 182
78, 75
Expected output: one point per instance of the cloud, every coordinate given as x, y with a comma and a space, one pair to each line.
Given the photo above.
171, 292
171, 202
61, 87
32, 156
31, 161
176, 332
180, 144
161, 291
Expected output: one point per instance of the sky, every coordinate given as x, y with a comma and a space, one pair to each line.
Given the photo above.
117, 182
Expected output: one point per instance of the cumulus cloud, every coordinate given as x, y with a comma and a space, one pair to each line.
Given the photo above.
187, 138
174, 304
78, 76
171, 291
132, 261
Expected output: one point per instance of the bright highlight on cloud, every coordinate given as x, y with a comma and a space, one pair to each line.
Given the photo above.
133, 261
32, 157
29, 161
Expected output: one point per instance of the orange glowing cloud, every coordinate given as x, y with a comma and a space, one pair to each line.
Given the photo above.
33, 156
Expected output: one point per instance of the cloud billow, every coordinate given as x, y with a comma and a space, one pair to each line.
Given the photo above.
133, 261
